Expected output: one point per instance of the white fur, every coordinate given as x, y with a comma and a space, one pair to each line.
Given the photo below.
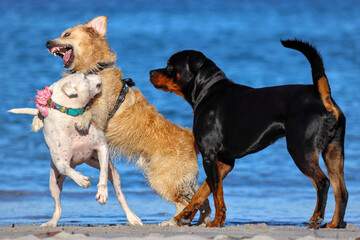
70, 147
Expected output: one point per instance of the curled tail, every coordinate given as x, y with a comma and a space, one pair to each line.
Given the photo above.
318, 72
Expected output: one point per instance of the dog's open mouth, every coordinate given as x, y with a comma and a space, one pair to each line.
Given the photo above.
65, 52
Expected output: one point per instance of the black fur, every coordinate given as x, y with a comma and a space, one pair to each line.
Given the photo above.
234, 120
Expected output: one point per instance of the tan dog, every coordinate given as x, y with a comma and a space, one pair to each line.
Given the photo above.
165, 151
70, 147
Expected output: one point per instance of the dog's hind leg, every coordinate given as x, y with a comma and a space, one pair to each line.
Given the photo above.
308, 163
334, 161
200, 197
55, 184
114, 178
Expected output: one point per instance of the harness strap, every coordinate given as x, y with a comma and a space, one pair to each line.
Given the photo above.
127, 82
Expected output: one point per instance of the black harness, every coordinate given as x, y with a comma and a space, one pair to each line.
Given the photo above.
127, 82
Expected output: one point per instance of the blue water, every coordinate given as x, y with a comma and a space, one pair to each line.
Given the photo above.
242, 37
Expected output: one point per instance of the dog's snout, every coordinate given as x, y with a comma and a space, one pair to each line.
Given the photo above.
152, 73
48, 44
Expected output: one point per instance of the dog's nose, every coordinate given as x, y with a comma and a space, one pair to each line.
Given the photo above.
152, 72
48, 43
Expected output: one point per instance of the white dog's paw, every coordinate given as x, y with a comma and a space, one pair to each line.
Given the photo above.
133, 220
50, 223
170, 222
102, 193
82, 180
37, 124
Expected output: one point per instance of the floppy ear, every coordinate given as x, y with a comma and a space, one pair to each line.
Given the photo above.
196, 60
69, 89
98, 24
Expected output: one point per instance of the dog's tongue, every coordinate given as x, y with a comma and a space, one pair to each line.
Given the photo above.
67, 56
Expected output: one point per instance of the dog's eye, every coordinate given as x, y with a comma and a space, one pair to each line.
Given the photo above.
67, 34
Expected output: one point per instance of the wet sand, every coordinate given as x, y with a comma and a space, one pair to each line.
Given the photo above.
149, 232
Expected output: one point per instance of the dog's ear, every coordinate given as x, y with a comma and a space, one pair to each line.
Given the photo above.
98, 24
69, 89
195, 60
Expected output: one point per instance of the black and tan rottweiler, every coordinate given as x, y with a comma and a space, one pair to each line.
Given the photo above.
233, 120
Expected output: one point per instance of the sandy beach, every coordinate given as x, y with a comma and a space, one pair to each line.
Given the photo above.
249, 231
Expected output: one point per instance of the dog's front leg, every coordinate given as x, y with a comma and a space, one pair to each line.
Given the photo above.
55, 184
64, 168
103, 155
215, 182
200, 196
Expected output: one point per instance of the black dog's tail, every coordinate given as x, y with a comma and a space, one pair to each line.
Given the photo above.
318, 72
312, 55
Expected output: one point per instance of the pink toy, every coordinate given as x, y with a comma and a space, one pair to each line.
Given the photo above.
41, 101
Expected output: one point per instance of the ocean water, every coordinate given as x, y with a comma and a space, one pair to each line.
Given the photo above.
241, 37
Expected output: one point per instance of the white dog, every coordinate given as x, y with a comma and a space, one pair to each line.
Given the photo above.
70, 147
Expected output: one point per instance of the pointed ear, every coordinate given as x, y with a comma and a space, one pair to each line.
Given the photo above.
69, 89
98, 24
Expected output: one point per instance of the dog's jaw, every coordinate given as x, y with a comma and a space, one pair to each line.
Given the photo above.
66, 52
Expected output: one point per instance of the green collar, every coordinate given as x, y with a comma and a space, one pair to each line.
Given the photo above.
69, 111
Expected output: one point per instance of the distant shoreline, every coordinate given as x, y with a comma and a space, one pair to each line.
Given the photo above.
248, 231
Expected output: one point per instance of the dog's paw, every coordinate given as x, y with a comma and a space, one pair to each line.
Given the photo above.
133, 220
82, 180
37, 124
50, 223
102, 193
83, 121
170, 222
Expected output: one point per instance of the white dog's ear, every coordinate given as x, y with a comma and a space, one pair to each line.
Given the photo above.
69, 89
98, 24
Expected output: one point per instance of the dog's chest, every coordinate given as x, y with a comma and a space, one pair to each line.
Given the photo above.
66, 142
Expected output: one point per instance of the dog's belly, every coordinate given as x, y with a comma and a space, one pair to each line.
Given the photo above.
244, 143
82, 149
79, 157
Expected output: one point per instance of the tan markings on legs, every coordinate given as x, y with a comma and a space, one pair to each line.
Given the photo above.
334, 162
185, 217
321, 184
200, 196
220, 214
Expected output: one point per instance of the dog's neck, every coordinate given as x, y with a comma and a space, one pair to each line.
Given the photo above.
100, 66
67, 110
206, 88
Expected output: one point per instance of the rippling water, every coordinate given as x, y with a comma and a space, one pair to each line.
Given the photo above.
241, 37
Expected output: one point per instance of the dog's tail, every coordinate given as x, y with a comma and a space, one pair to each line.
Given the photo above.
30, 111
318, 72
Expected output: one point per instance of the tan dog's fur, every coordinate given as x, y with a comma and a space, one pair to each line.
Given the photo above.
165, 151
